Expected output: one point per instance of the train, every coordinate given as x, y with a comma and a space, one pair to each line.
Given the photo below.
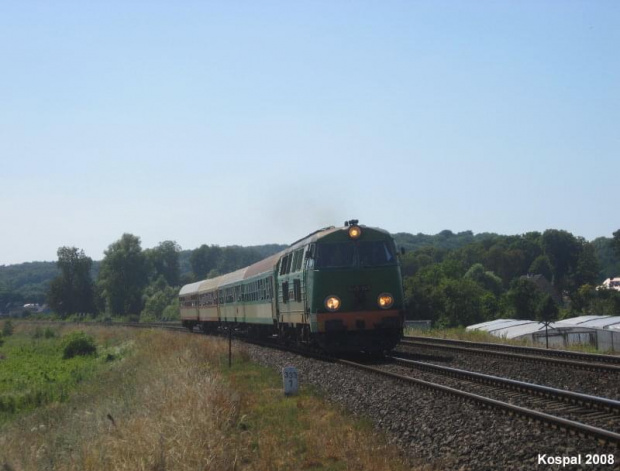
338, 289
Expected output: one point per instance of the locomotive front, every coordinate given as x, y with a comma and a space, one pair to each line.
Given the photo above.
354, 290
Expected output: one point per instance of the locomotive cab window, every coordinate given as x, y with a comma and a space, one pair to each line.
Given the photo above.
376, 253
355, 253
335, 255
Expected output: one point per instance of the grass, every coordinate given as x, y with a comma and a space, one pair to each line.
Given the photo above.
33, 371
174, 404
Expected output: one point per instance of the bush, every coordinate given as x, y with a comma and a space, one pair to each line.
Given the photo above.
47, 333
7, 329
78, 343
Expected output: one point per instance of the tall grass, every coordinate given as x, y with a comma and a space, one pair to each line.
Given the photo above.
174, 405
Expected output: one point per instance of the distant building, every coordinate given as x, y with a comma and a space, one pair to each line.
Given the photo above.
611, 283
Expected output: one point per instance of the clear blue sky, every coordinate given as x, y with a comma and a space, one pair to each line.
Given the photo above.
253, 122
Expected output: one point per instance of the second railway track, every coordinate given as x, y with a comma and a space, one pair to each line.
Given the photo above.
524, 354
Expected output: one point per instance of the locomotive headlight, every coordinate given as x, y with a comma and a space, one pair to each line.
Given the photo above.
355, 232
332, 303
385, 300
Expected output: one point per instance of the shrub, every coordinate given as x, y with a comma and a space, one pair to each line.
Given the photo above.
7, 329
78, 343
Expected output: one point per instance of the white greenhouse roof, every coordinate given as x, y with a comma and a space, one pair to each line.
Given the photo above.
593, 322
511, 328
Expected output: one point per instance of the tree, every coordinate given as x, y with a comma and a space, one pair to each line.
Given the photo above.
523, 298
72, 290
563, 249
204, 259
165, 260
542, 266
123, 276
546, 313
547, 310
486, 279
586, 271
616, 242
462, 303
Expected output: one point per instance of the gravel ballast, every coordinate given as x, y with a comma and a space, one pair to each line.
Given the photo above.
435, 429
595, 383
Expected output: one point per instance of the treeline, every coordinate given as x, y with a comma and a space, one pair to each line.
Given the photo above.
129, 281
450, 278
531, 276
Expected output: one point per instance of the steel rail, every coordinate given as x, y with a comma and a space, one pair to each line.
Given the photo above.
595, 402
558, 422
517, 356
588, 357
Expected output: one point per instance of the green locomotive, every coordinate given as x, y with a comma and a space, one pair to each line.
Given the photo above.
339, 288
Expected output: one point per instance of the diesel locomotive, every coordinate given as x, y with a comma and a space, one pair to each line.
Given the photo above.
339, 288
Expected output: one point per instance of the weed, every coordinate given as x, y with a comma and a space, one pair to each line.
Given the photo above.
78, 343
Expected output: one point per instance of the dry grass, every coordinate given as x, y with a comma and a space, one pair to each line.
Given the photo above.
174, 405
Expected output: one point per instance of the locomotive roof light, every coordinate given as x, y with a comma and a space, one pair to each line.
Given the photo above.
385, 300
355, 232
332, 303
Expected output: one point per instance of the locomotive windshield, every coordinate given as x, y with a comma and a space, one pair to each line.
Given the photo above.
354, 254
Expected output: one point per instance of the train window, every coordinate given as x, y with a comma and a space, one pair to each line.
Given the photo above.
297, 289
285, 292
297, 260
335, 255
376, 253
283, 263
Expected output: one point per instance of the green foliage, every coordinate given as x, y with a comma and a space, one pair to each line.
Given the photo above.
524, 299
7, 328
72, 291
600, 302
547, 310
542, 265
486, 279
443, 240
461, 303
616, 242
165, 261
609, 260
40, 333
158, 297
78, 343
172, 310
207, 261
33, 372
123, 276
563, 250
587, 267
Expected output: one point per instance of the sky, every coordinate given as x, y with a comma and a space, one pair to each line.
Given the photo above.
254, 122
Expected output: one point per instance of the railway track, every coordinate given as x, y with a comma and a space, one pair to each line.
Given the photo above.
584, 361
552, 406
